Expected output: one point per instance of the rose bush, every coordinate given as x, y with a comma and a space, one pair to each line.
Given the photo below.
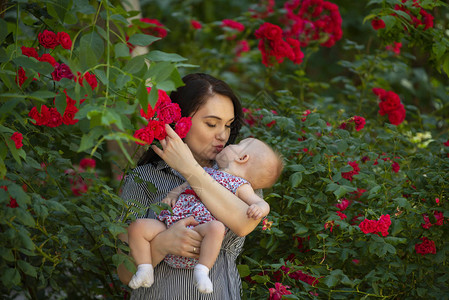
358, 109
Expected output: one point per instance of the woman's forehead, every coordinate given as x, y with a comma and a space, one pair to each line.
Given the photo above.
217, 106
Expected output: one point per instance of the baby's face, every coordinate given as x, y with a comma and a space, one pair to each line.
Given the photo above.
236, 151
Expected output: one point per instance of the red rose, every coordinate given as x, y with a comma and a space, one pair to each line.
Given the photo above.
446, 143
298, 54
64, 40
145, 135
350, 174
377, 24
157, 29
383, 224
278, 291
396, 167
368, 226
17, 138
21, 76
396, 117
242, 46
343, 204
169, 113
48, 58
158, 129
426, 247
54, 118
86, 163
91, 80
41, 118
183, 126
48, 39
381, 93
232, 24
269, 31
61, 71
359, 122
69, 115
196, 24
30, 52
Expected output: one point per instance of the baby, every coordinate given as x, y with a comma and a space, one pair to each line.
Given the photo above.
243, 167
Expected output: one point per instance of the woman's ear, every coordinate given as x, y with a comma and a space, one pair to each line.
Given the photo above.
242, 159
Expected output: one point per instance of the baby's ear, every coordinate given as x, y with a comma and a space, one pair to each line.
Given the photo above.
242, 159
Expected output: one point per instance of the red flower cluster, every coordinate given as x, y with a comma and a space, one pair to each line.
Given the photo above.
396, 48
274, 48
313, 20
372, 226
164, 112
52, 118
349, 175
278, 290
426, 247
395, 167
61, 71
156, 28
17, 138
90, 78
48, 39
422, 18
12, 202
377, 23
390, 104
438, 217
446, 143
359, 123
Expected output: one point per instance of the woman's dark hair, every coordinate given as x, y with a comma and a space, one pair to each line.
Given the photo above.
198, 88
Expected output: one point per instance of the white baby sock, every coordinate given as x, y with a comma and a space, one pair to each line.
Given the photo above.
143, 277
201, 279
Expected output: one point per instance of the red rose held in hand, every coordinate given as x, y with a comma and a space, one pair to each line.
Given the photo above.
183, 126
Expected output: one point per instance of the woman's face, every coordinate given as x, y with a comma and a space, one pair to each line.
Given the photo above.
211, 126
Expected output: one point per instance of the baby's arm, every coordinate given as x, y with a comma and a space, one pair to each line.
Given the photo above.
258, 208
173, 195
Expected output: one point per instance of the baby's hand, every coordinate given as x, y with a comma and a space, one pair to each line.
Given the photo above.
254, 211
169, 200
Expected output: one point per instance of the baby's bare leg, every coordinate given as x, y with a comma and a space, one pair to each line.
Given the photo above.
212, 233
140, 233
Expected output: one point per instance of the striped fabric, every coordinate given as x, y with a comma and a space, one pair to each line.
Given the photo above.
171, 283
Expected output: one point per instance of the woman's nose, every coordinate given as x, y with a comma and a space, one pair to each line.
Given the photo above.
222, 135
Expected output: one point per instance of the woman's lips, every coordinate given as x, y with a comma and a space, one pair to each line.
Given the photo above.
218, 148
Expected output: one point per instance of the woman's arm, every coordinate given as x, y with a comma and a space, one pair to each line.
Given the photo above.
222, 203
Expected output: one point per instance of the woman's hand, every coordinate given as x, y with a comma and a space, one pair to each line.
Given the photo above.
174, 151
177, 240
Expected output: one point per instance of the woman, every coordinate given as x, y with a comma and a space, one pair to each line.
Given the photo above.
216, 119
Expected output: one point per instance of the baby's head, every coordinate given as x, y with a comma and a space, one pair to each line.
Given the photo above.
253, 160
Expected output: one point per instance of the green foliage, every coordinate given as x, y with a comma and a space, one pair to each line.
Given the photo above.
60, 222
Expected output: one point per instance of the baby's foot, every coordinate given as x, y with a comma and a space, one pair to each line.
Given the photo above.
143, 277
201, 279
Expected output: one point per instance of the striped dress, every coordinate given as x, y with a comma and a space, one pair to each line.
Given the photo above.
171, 283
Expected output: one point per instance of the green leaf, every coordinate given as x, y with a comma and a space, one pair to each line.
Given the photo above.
116, 229
135, 64
157, 55
342, 146
160, 71
143, 97
260, 279
24, 217
243, 270
390, 21
438, 49
10, 277
92, 43
296, 179
3, 30
121, 50
27, 268
140, 39
61, 103
26, 240
43, 94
